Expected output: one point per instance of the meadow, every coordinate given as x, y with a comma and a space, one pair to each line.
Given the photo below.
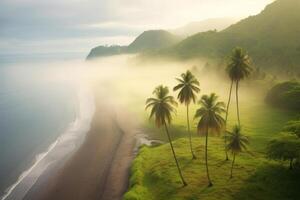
154, 174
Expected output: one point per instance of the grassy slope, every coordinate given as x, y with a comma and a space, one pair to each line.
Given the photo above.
154, 174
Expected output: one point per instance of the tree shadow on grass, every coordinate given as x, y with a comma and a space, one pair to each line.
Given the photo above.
272, 182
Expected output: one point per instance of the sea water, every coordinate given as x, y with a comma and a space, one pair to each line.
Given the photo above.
39, 114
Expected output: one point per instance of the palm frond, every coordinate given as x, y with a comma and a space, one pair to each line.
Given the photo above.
210, 114
188, 87
162, 106
237, 142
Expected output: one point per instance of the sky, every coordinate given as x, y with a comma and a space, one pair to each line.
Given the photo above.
54, 26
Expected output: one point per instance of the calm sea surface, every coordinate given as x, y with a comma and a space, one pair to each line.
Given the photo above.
35, 108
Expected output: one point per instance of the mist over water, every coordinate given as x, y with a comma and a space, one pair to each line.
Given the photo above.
37, 105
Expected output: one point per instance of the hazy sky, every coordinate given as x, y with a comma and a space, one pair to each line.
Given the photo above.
42, 26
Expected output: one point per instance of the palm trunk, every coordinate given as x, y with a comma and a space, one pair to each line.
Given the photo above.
226, 117
291, 163
237, 102
175, 158
189, 131
206, 163
232, 165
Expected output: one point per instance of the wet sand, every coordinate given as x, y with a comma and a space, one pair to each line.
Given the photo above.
100, 168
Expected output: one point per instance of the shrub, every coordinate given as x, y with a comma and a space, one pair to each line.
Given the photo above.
285, 95
286, 148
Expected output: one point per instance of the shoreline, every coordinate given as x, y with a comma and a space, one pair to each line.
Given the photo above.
100, 167
57, 151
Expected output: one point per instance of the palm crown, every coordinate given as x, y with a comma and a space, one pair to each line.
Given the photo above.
210, 114
162, 105
188, 86
237, 141
239, 65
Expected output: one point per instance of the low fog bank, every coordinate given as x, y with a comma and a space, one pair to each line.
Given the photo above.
129, 82
125, 81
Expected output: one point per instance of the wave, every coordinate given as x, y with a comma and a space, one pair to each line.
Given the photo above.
64, 145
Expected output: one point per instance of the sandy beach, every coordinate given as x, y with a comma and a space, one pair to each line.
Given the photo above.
100, 167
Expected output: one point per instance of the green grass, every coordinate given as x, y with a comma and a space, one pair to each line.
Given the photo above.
154, 175
259, 121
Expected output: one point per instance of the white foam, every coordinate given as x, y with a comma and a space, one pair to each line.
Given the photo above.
63, 146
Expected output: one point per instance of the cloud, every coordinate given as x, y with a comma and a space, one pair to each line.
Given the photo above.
80, 45
38, 20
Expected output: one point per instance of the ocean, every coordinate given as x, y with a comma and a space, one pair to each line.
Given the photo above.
44, 114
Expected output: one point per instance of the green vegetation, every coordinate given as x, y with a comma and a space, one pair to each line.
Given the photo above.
153, 39
287, 146
154, 176
285, 95
210, 120
148, 40
237, 70
237, 143
271, 37
204, 25
293, 127
162, 107
188, 86
106, 51
284, 148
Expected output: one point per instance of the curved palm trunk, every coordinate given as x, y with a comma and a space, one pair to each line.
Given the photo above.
226, 117
175, 158
232, 165
237, 102
189, 131
206, 163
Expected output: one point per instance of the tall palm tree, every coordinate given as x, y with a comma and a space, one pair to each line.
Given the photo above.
188, 86
237, 143
210, 120
162, 106
237, 69
226, 116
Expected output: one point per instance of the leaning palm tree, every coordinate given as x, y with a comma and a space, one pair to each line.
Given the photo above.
210, 120
162, 107
237, 69
237, 143
188, 86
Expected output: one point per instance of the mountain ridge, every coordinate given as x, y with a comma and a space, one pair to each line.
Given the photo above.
203, 26
271, 38
148, 40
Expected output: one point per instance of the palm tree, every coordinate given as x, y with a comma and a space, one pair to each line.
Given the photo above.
226, 116
210, 120
162, 107
237, 69
237, 143
188, 86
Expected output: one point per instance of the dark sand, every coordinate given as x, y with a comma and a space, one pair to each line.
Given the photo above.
99, 170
